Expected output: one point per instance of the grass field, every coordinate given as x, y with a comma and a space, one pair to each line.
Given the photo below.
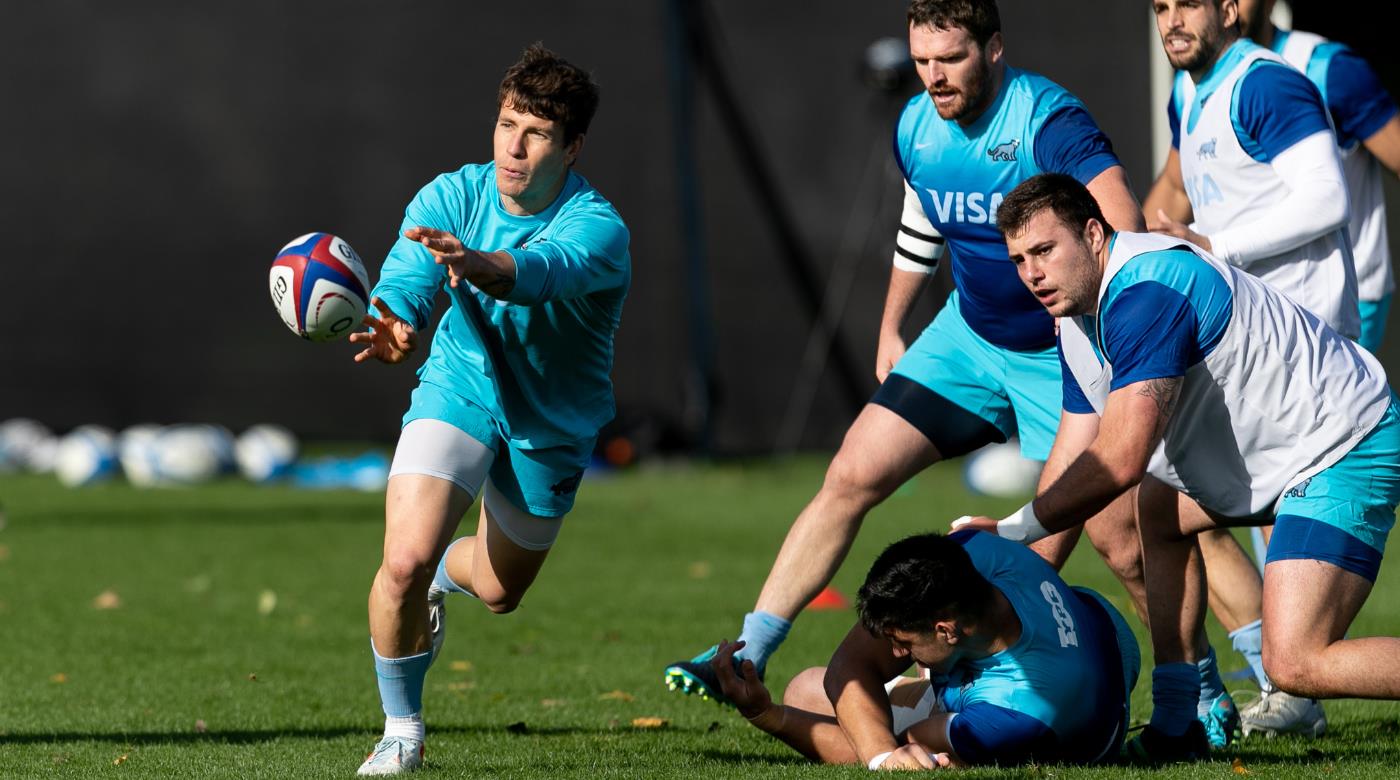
220, 632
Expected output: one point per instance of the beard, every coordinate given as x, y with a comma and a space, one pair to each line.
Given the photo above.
972, 97
1207, 47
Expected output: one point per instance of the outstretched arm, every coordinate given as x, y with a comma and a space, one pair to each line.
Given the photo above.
491, 272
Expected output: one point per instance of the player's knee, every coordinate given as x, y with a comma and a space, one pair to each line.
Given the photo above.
853, 478
403, 571
1288, 666
807, 691
498, 599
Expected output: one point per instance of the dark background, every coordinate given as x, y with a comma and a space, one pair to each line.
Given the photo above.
157, 154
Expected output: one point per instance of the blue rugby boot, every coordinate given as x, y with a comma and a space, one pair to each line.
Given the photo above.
1221, 721
696, 678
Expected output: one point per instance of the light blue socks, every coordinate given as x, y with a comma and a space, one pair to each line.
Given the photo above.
401, 682
442, 580
1248, 641
763, 633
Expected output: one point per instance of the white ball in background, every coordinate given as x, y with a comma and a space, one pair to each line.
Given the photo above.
999, 470
265, 452
186, 455
136, 450
21, 439
85, 456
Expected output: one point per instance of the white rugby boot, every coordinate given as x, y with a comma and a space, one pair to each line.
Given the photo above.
392, 756
1278, 713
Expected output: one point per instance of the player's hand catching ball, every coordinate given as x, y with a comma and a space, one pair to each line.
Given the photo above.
389, 339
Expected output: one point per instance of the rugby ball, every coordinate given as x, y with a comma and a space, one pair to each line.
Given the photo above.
265, 452
319, 287
85, 456
999, 470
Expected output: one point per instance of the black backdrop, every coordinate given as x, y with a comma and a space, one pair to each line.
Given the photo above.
157, 154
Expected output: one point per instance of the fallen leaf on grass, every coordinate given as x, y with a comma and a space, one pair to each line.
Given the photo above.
200, 726
107, 599
700, 570
461, 666
119, 760
617, 696
267, 601
551, 702
465, 685
59, 678
650, 723
252, 677
1237, 766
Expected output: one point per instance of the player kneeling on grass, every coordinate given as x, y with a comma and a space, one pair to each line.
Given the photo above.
1014, 666
535, 264
1208, 389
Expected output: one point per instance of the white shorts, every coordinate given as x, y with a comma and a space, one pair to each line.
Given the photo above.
437, 449
915, 700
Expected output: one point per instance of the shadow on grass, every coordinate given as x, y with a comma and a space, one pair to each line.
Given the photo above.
246, 737
734, 757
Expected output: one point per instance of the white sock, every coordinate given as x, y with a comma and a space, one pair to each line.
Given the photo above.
410, 727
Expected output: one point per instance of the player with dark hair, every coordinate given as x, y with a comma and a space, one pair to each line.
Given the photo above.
535, 264
1014, 666
1223, 402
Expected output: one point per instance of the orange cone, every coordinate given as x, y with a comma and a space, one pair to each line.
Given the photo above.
830, 598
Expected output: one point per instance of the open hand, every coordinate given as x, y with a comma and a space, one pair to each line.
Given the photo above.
389, 339
979, 523
446, 248
742, 687
1168, 226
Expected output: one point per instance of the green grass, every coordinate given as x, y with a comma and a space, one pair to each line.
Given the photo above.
187, 677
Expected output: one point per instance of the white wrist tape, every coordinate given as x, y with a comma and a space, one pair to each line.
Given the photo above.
1022, 526
879, 759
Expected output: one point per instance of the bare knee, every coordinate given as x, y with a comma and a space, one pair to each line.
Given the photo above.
403, 572
1288, 667
807, 691
853, 479
498, 599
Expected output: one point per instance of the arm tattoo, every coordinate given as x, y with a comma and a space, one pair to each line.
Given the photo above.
499, 285
1163, 392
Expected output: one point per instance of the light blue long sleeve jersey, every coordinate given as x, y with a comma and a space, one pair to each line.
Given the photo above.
538, 360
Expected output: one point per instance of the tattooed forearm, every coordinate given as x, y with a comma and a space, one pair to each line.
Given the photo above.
497, 285
1163, 392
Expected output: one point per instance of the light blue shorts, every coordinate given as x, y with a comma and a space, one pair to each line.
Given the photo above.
1019, 393
1355, 496
1373, 318
541, 481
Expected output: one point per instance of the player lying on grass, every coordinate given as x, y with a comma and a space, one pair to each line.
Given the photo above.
1014, 666
1209, 390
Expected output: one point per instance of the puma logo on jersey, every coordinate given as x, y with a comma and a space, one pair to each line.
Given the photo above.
1004, 152
1206, 151
978, 208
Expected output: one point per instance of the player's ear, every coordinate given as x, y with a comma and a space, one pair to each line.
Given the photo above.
1229, 13
946, 631
575, 146
994, 47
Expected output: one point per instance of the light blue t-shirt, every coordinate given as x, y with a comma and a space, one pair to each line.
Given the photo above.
1163, 312
1057, 694
961, 174
1273, 107
540, 360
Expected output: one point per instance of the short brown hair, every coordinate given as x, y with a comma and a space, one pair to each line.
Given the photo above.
1071, 202
979, 17
543, 84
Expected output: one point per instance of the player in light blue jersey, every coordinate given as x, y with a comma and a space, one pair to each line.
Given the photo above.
985, 369
1223, 402
515, 388
1014, 666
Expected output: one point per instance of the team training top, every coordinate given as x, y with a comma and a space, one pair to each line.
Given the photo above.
539, 359
1247, 110
1271, 394
961, 174
1058, 693
1360, 107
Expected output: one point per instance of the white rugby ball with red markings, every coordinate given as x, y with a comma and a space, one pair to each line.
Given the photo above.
319, 287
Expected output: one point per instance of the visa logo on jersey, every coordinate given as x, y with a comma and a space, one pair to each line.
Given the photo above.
1202, 191
978, 208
